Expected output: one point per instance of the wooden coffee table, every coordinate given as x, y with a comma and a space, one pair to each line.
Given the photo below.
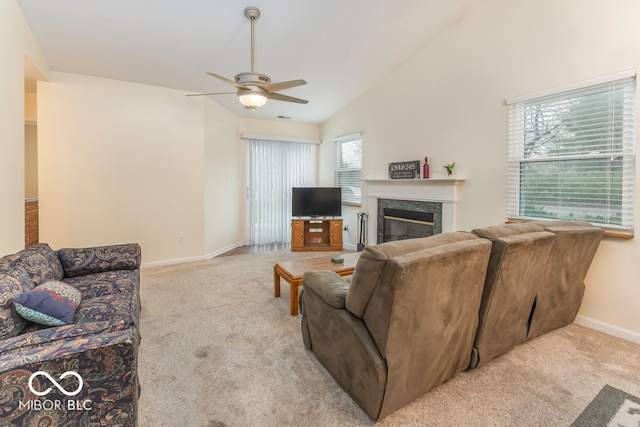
292, 272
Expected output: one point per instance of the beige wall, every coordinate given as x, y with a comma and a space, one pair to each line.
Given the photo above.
223, 179
448, 102
157, 167
280, 128
120, 162
16, 42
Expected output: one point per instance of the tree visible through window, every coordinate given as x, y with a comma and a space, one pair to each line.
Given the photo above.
348, 174
571, 155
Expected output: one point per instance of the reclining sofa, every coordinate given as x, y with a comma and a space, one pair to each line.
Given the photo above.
417, 312
99, 345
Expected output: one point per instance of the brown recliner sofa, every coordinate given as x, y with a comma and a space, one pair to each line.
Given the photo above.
414, 315
404, 324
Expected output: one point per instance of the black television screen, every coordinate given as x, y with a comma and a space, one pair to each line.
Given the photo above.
316, 201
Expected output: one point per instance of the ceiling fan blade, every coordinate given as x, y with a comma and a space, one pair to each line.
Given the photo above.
214, 93
224, 79
274, 87
287, 98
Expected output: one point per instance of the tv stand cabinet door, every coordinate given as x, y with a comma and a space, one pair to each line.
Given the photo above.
335, 239
297, 234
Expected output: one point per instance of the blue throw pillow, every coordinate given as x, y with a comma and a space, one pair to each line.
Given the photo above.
52, 303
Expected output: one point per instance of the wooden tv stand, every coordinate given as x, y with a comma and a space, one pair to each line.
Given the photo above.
316, 234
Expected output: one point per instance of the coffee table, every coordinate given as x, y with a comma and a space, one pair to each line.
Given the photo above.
292, 271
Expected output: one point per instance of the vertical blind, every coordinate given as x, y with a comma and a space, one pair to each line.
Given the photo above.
348, 172
572, 155
276, 167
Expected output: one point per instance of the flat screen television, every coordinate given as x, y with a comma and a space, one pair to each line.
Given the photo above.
316, 201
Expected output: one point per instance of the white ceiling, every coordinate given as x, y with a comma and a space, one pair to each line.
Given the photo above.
340, 47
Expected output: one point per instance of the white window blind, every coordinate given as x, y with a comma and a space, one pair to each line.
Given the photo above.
277, 167
572, 155
348, 173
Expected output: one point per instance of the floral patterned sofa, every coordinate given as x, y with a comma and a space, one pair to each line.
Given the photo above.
83, 372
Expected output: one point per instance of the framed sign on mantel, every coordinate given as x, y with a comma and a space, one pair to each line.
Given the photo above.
409, 169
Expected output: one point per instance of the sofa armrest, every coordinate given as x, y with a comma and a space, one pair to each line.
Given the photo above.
83, 261
344, 346
105, 361
328, 285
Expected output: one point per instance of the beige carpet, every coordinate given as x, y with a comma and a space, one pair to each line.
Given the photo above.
219, 350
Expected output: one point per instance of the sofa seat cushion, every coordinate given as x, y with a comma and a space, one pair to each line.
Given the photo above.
106, 283
114, 307
53, 303
14, 281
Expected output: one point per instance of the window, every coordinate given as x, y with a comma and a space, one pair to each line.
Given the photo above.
348, 173
571, 154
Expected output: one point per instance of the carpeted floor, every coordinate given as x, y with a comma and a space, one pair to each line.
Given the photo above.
219, 350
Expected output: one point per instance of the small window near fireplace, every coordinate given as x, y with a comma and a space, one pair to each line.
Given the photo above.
400, 224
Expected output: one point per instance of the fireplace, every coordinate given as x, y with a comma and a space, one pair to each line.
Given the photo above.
407, 219
402, 225
437, 197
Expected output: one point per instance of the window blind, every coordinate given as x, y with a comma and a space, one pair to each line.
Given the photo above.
572, 155
277, 167
348, 172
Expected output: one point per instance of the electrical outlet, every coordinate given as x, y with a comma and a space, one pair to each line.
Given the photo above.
181, 239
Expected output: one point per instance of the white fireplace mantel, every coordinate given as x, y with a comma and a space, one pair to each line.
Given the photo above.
439, 190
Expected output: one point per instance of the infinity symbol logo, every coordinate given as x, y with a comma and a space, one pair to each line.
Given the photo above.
58, 386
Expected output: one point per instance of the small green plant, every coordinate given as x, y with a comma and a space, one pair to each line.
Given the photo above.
449, 168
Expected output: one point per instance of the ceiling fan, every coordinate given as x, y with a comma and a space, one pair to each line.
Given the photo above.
254, 89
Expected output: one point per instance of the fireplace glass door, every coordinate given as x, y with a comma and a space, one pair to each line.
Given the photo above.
401, 224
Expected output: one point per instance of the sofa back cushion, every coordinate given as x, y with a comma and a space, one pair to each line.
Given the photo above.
84, 261
561, 291
516, 270
41, 262
374, 259
423, 314
503, 230
14, 281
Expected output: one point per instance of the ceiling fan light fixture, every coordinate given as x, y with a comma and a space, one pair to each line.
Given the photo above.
252, 100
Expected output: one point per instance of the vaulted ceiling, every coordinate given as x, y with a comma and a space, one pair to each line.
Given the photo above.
340, 47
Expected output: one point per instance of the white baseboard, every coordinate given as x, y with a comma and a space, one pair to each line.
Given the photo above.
349, 246
223, 250
608, 329
191, 259
171, 261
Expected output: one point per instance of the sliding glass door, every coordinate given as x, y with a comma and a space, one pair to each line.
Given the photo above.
275, 167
